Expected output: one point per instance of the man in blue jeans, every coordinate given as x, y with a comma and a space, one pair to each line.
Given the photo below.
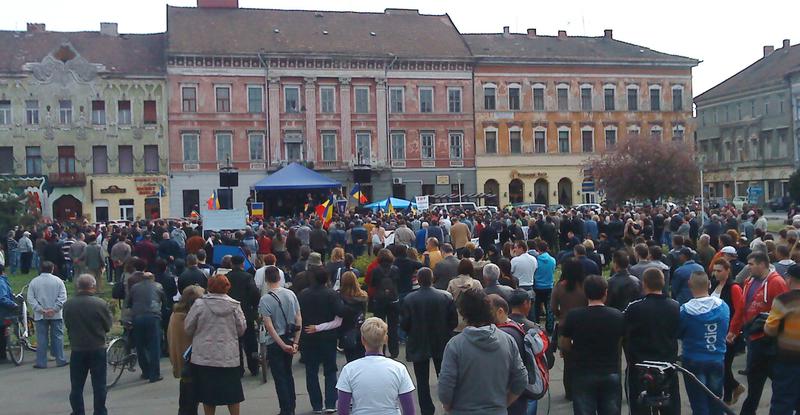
145, 300
88, 320
703, 326
46, 296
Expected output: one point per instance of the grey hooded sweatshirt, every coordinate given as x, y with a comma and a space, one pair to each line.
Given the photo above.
479, 368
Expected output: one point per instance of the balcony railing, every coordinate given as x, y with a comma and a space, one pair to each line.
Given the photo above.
67, 179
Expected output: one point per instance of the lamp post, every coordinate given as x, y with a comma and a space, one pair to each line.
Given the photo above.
701, 158
735, 184
459, 187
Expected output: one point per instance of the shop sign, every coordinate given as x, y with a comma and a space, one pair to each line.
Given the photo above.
113, 189
515, 174
444, 180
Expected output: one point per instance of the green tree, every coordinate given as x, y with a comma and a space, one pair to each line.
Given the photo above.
14, 207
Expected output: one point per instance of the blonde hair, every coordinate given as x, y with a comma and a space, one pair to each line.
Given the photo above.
337, 254
374, 333
348, 286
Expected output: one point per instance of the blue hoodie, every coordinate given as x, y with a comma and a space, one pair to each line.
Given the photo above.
703, 326
543, 277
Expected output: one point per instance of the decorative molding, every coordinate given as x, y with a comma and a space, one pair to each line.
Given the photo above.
64, 66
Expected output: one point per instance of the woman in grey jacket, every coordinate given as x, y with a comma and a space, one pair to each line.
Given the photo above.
482, 372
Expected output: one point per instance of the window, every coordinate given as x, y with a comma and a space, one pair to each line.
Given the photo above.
100, 159
563, 97
609, 98
426, 99
125, 159
7, 160
98, 112
362, 99
677, 133
427, 141
633, 98
491, 141
752, 108
291, 99
223, 98
149, 112
540, 141
515, 141
66, 159
64, 112
489, 99
513, 97
655, 133
189, 98
587, 140
586, 98
224, 147
294, 151
191, 147
454, 100
5, 112
655, 99
633, 130
611, 138
538, 97
151, 159
126, 209
396, 99
327, 99
677, 99
33, 160
31, 112
398, 146
191, 202
428, 189
456, 146
563, 141
256, 142
123, 112
255, 99
328, 146
363, 147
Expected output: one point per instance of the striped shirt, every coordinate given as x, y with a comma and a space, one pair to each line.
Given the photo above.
784, 322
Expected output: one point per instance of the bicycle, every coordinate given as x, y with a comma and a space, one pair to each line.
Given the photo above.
19, 329
120, 356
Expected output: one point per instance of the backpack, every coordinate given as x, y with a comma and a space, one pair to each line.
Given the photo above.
534, 356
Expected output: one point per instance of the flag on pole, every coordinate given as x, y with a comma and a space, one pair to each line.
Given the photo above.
389, 207
357, 194
213, 201
325, 211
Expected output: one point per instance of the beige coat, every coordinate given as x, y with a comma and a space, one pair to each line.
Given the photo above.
215, 323
178, 342
457, 286
459, 235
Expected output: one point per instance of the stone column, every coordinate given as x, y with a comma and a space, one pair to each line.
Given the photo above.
383, 133
346, 129
274, 115
312, 138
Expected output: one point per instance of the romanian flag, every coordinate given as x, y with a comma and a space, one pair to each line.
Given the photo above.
325, 211
213, 201
389, 207
357, 194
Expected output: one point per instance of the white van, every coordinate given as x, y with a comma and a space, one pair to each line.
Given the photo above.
460, 206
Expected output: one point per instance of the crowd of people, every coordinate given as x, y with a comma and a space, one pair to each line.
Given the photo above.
475, 293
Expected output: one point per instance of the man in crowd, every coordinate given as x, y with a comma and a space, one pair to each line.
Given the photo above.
92, 262
491, 273
403, 235
589, 267
622, 286
680, 278
88, 320
784, 323
523, 266
543, 285
192, 275
46, 296
244, 290
459, 236
145, 301
446, 269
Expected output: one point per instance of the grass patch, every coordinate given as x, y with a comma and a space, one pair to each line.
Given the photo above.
775, 226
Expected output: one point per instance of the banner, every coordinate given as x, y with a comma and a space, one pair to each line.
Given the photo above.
257, 210
422, 203
224, 219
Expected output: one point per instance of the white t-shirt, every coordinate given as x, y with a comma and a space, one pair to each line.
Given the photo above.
375, 383
261, 275
524, 267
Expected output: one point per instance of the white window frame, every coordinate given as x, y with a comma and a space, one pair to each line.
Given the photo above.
286, 101
605, 136
121, 120
540, 130
569, 139
633, 130
432, 135
515, 129
594, 146
402, 99
64, 113
322, 136
194, 136
230, 97
627, 97
6, 114
460, 100
543, 87
217, 136
682, 129
192, 86
32, 114
250, 136
450, 136
483, 96
485, 147
419, 98
260, 88
368, 156
657, 128
518, 87
355, 99
559, 87
650, 89
332, 90
392, 136
613, 88
591, 96
683, 97
126, 212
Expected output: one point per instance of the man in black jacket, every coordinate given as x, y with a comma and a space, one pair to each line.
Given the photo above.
651, 333
244, 290
428, 316
622, 286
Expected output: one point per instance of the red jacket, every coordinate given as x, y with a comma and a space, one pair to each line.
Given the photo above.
761, 302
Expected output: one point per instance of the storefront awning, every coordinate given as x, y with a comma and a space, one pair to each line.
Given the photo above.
296, 177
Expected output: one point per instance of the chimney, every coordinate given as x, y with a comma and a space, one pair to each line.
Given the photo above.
768, 49
218, 4
531, 32
108, 29
506, 30
608, 34
786, 45
36, 28
562, 34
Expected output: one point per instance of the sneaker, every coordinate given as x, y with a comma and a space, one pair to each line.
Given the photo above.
317, 411
737, 393
330, 411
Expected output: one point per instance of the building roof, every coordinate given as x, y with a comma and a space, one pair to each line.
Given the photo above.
295, 176
536, 48
765, 72
401, 33
140, 54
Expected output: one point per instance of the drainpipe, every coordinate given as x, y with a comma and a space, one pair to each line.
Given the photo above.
266, 109
388, 108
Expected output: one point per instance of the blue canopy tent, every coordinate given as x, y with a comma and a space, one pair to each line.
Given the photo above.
296, 177
397, 204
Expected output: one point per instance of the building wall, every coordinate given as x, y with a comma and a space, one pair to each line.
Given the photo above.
554, 165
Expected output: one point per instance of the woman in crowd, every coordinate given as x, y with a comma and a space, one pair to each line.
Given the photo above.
567, 295
505, 273
460, 284
386, 306
723, 286
215, 322
179, 341
355, 302
334, 264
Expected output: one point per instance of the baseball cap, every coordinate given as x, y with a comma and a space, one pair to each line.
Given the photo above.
729, 250
687, 252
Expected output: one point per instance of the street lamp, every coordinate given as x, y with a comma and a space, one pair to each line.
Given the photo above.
701, 159
459, 187
735, 184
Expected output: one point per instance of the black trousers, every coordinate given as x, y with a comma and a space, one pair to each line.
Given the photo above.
390, 311
422, 371
730, 382
759, 369
25, 259
248, 349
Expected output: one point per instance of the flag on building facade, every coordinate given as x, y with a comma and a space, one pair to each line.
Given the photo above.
213, 201
357, 194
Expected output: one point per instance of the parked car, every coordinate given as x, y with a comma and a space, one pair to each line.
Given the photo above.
717, 202
739, 202
779, 203
490, 209
585, 207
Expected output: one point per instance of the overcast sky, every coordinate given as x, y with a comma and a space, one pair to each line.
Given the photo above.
725, 36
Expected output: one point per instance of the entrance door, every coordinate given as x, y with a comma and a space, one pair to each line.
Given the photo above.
565, 192
126, 209
191, 201
399, 191
152, 207
67, 207
541, 191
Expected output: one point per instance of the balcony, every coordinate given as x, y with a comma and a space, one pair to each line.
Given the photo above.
67, 179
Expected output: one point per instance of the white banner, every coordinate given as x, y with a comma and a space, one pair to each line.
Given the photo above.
422, 203
224, 219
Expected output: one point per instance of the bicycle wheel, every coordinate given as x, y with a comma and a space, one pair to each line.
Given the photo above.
14, 346
27, 340
262, 361
116, 356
